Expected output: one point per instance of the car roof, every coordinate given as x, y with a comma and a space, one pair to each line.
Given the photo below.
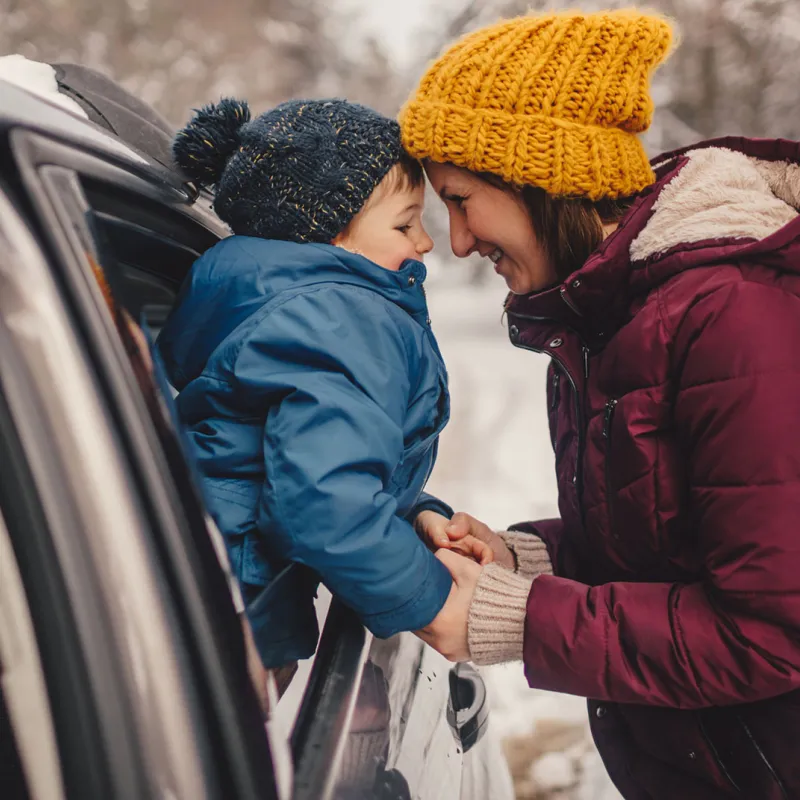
21, 108
120, 129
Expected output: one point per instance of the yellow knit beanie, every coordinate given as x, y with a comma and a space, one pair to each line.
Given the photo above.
553, 101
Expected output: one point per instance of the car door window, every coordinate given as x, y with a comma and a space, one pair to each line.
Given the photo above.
219, 715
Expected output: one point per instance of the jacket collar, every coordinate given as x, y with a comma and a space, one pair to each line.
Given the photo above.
241, 274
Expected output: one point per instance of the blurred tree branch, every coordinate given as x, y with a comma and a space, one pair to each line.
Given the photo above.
178, 55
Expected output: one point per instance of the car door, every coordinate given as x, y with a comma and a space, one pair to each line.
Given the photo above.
390, 719
141, 649
386, 719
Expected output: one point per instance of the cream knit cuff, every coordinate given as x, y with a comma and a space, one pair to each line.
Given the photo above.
530, 553
497, 616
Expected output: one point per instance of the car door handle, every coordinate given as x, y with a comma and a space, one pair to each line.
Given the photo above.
467, 706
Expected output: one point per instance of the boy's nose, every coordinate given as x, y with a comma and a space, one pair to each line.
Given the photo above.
425, 244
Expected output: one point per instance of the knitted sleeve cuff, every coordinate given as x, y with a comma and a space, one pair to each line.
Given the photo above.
497, 616
530, 553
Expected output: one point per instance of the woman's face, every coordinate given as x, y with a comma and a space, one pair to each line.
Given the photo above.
493, 222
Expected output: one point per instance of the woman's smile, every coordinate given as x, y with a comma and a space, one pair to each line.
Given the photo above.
494, 222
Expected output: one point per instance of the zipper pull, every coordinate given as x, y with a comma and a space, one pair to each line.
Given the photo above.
554, 390
585, 351
610, 406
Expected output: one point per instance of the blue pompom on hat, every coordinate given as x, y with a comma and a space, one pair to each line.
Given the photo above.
299, 172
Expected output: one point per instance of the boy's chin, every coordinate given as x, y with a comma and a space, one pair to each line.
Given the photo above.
392, 266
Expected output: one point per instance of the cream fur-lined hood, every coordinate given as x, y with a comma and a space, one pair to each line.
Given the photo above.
720, 194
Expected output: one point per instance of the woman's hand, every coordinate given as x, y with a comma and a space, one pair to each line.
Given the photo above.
448, 633
463, 534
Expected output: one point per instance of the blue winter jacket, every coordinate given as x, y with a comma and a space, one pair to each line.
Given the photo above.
313, 392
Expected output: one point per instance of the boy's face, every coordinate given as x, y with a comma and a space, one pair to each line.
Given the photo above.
388, 230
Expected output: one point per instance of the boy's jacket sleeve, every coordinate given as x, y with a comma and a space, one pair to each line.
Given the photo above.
338, 390
427, 502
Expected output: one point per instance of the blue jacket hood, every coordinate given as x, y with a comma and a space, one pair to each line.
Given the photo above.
240, 274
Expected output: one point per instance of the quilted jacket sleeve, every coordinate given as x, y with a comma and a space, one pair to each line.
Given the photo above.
735, 636
335, 371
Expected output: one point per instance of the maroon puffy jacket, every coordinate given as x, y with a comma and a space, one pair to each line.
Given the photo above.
674, 399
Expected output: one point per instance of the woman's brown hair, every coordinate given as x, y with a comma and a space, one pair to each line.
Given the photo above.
569, 229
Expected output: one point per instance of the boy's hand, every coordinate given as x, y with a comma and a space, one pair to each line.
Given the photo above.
438, 531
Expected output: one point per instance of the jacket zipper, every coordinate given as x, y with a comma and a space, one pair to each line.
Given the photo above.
715, 753
608, 419
563, 292
576, 476
578, 416
556, 382
763, 757
555, 391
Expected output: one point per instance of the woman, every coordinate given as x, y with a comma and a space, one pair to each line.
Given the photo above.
668, 593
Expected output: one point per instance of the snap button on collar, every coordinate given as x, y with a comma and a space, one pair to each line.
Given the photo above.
557, 342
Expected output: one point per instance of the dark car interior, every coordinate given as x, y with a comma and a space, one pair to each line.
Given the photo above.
152, 249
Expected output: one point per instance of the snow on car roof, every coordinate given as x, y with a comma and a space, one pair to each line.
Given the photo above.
37, 78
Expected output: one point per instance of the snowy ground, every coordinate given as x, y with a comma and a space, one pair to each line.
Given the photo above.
496, 462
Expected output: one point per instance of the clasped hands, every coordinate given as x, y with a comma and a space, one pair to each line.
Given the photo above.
464, 545
465, 535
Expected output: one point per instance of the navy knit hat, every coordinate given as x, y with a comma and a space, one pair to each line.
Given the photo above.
299, 172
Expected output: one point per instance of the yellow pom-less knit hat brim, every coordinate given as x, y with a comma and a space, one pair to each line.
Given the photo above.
553, 101
560, 157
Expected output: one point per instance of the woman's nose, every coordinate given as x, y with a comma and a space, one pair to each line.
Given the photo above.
462, 242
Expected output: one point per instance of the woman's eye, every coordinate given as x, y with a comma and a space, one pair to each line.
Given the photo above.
456, 199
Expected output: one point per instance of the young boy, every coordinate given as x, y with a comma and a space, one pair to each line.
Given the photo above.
309, 380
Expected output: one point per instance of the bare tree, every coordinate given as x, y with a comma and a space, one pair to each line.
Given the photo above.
178, 56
